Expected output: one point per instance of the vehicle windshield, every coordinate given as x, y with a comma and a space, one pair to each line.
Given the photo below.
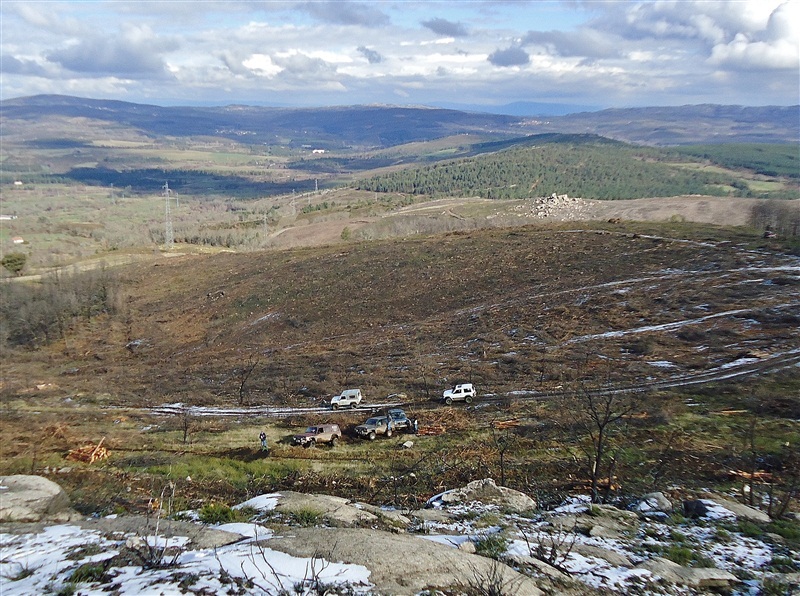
311, 429
374, 422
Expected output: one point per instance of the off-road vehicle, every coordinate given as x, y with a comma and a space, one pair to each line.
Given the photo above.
400, 421
347, 398
463, 392
322, 433
377, 425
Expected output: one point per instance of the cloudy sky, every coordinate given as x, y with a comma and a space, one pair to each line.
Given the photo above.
467, 52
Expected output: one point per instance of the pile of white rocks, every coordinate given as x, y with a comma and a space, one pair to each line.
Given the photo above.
555, 206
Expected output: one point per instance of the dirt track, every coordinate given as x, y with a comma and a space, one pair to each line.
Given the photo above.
701, 209
714, 210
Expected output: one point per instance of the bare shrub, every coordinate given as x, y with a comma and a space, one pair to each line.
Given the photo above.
151, 551
552, 548
491, 582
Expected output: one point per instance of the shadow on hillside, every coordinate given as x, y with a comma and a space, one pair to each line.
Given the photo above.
186, 182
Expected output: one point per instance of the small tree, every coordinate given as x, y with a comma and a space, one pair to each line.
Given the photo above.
14, 262
599, 413
243, 374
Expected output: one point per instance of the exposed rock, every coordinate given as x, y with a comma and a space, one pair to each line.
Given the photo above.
603, 512
486, 491
611, 556
600, 521
606, 531
432, 565
654, 502
432, 515
393, 516
336, 509
739, 510
33, 498
539, 565
695, 577
467, 546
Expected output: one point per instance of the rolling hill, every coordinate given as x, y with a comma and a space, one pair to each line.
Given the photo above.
385, 126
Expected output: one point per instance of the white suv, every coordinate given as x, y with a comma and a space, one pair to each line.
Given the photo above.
347, 398
463, 392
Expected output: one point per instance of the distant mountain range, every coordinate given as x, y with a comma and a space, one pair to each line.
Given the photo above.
51, 117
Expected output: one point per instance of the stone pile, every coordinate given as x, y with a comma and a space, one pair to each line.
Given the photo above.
553, 207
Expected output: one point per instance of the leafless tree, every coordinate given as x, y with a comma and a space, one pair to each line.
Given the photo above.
600, 413
244, 373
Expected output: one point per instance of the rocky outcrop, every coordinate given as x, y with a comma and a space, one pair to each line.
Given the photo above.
694, 577
33, 499
739, 510
336, 509
487, 492
599, 521
432, 565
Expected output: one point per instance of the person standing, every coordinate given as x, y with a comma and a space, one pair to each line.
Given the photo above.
263, 438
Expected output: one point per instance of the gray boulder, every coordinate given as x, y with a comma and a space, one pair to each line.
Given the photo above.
32, 499
654, 503
486, 491
694, 577
337, 509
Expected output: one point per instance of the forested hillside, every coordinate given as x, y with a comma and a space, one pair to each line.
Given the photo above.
590, 167
762, 158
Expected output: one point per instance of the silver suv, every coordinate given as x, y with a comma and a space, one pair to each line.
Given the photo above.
377, 425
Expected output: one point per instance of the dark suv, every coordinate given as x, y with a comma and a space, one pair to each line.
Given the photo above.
400, 421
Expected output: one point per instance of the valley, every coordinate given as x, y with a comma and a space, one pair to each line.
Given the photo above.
180, 295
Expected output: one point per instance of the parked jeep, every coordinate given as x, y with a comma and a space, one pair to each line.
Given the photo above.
377, 425
400, 421
463, 392
347, 398
323, 433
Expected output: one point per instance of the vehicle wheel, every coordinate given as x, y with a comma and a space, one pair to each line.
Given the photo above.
335, 406
334, 440
388, 434
448, 401
468, 399
312, 443
353, 406
372, 436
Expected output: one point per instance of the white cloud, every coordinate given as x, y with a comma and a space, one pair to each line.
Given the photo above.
776, 46
661, 52
262, 65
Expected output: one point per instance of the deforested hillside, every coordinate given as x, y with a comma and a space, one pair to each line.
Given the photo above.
508, 308
681, 341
